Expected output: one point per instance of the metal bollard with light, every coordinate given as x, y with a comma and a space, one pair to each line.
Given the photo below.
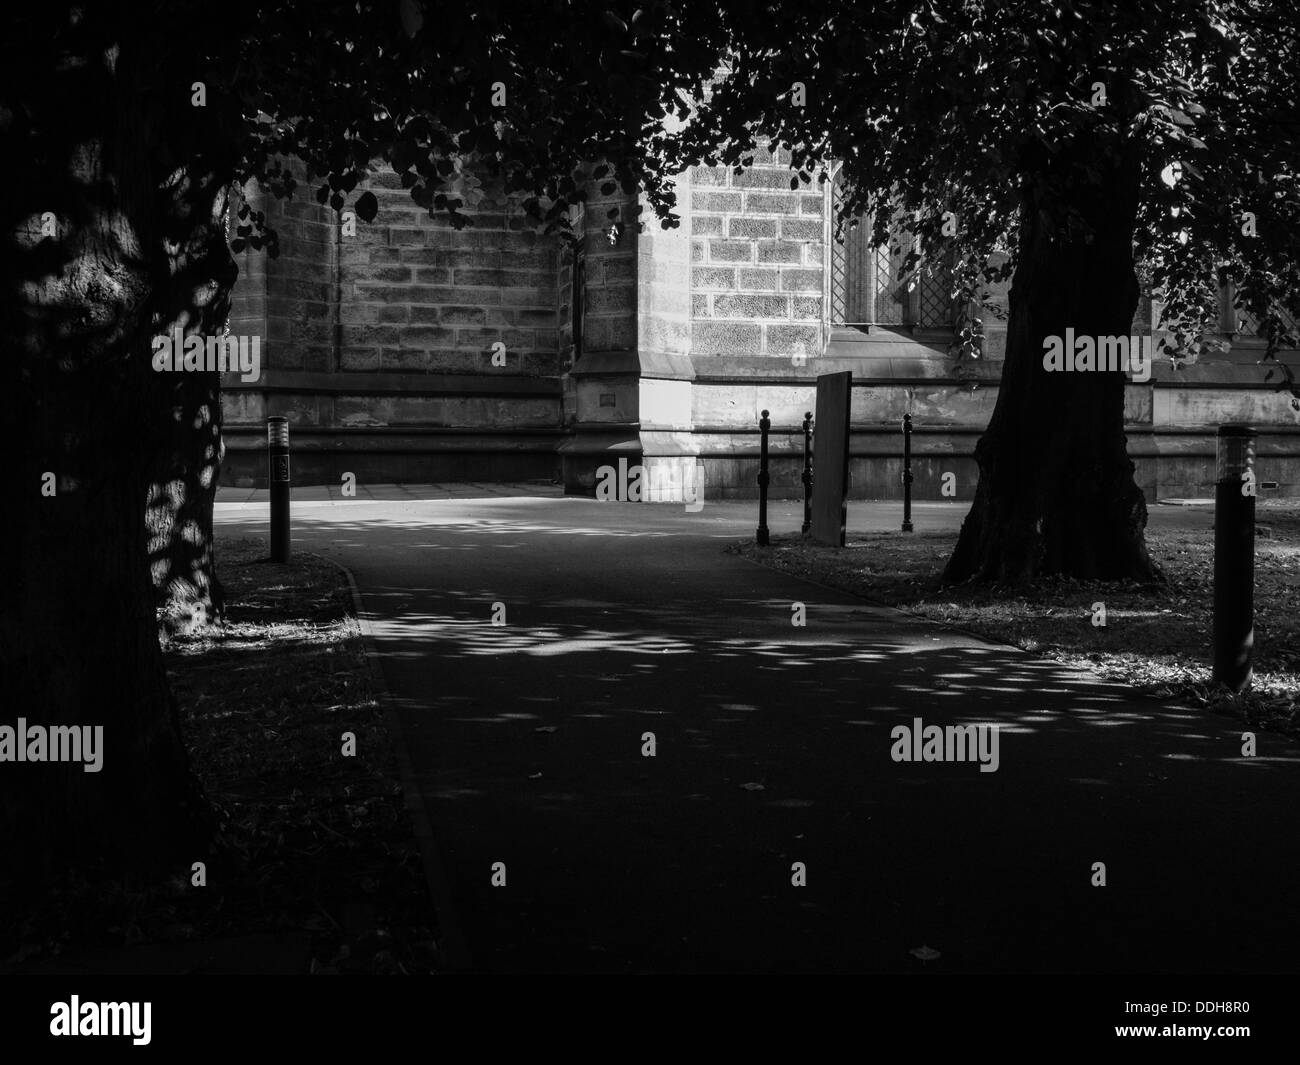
764, 427
807, 473
907, 473
277, 442
1234, 557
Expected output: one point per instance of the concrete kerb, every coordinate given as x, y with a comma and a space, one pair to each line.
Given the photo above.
453, 954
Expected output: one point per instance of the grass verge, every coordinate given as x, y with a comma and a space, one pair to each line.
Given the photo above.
314, 846
1155, 639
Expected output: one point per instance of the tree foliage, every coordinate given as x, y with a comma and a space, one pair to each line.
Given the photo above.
968, 108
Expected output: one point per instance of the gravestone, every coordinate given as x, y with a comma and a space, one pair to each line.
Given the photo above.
831, 458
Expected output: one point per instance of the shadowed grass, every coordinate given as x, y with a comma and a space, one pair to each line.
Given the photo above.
313, 845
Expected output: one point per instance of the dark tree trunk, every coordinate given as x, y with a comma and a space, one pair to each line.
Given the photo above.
78, 643
1056, 493
200, 275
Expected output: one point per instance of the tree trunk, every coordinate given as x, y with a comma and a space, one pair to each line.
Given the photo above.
78, 644
1056, 493
201, 273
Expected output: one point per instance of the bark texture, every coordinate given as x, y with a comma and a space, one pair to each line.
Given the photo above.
1056, 493
83, 424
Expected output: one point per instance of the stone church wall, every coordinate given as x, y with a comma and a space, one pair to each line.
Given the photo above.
379, 347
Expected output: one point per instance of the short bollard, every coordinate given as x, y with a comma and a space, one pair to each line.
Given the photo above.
907, 473
277, 440
764, 426
1234, 557
807, 473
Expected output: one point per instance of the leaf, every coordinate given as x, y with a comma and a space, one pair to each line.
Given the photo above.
367, 207
412, 16
925, 953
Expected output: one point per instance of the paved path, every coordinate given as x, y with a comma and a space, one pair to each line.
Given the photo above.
774, 747
785, 515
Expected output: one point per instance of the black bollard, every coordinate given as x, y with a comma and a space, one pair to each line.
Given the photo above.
807, 473
1234, 557
277, 440
764, 425
907, 473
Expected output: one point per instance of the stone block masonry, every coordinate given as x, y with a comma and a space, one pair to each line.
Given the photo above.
462, 322
405, 293
446, 296
757, 255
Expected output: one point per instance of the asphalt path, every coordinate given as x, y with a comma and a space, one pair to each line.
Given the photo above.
772, 747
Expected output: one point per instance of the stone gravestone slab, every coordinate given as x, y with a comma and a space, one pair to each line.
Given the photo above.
831, 458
